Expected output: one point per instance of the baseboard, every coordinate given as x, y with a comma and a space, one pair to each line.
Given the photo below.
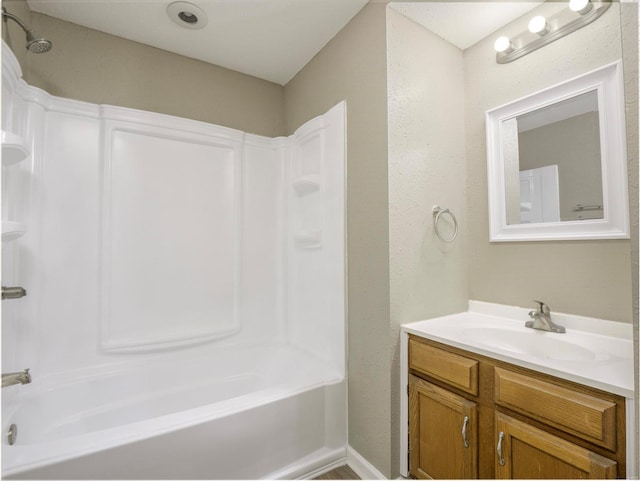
312, 465
361, 466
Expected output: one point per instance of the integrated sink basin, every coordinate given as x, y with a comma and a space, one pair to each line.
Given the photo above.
593, 352
530, 342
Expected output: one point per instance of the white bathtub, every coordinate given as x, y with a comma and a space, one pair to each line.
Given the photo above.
259, 412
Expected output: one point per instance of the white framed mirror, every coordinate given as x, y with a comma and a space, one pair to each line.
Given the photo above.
556, 162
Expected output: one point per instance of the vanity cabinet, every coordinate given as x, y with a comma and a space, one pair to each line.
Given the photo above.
472, 416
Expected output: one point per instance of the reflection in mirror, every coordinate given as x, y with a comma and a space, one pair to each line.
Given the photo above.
553, 170
556, 162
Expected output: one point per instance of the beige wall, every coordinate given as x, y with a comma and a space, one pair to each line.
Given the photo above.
92, 66
591, 278
629, 25
13, 35
353, 67
428, 278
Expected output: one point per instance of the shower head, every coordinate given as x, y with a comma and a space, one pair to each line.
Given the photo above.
35, 43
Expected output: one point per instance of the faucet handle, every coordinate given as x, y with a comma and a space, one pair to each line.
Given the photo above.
542, 307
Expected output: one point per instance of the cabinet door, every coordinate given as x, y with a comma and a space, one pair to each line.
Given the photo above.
526, 452
443, 434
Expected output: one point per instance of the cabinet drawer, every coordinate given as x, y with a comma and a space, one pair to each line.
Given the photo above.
453, 369
577, 413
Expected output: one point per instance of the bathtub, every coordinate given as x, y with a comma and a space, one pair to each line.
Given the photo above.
256, 412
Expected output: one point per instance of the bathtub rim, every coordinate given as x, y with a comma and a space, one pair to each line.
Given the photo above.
97, 441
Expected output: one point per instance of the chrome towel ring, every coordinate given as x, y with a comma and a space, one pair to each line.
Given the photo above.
437, 212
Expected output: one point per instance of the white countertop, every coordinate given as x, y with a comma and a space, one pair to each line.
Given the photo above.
593, 352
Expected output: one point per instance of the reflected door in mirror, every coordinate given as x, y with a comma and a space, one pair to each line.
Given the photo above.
539, 200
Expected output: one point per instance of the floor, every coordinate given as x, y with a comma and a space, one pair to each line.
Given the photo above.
342, 472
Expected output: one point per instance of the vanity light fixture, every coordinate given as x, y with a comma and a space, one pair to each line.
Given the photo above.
543, 31
539, 25
503, 44
580, 6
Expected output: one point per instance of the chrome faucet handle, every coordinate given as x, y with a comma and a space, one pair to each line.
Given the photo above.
542, 319
542, 307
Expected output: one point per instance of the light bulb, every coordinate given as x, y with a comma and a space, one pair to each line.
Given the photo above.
580, 6
503, 45
538, 25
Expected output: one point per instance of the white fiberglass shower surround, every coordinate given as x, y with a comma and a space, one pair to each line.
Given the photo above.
185, 308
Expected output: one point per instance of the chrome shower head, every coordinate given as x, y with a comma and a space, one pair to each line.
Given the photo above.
35, 43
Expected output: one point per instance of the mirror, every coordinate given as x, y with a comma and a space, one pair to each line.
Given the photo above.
557, 162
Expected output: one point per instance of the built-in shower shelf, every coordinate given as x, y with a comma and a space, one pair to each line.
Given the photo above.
308, 239
12, 230
306, 185
14, 148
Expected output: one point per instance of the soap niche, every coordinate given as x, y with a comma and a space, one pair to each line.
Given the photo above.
14, 151
307, 186
308, 218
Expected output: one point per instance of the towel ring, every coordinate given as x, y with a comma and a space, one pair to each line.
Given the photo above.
437, 212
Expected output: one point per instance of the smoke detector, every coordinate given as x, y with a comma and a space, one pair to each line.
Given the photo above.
187, 15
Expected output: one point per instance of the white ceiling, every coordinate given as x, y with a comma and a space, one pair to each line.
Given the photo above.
464, 23
271, 39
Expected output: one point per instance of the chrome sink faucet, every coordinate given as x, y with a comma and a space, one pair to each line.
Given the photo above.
542, 319
16, 378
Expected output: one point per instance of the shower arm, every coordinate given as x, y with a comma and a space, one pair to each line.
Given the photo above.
6, 15
35, 42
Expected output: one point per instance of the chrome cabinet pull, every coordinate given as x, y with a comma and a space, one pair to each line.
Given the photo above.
464, 431
500, 456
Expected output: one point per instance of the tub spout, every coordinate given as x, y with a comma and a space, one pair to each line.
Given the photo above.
16, 378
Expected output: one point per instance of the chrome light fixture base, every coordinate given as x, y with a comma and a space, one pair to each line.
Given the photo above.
561, 24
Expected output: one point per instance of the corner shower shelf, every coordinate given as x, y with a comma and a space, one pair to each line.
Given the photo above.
306, 184
12, 230
309, 239
14, 148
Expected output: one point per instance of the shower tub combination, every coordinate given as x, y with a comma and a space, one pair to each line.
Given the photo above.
185, 309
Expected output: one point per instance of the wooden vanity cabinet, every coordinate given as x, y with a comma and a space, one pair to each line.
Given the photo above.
471, 416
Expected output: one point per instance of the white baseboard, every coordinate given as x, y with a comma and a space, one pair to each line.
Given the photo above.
312, 465
361, 466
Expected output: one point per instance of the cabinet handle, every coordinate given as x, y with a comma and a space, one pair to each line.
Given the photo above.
500, 456
464, 431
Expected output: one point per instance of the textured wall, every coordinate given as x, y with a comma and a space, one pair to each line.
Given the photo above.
92, 66
13, 35
352, 66
591, 278
428, 278
629, 20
